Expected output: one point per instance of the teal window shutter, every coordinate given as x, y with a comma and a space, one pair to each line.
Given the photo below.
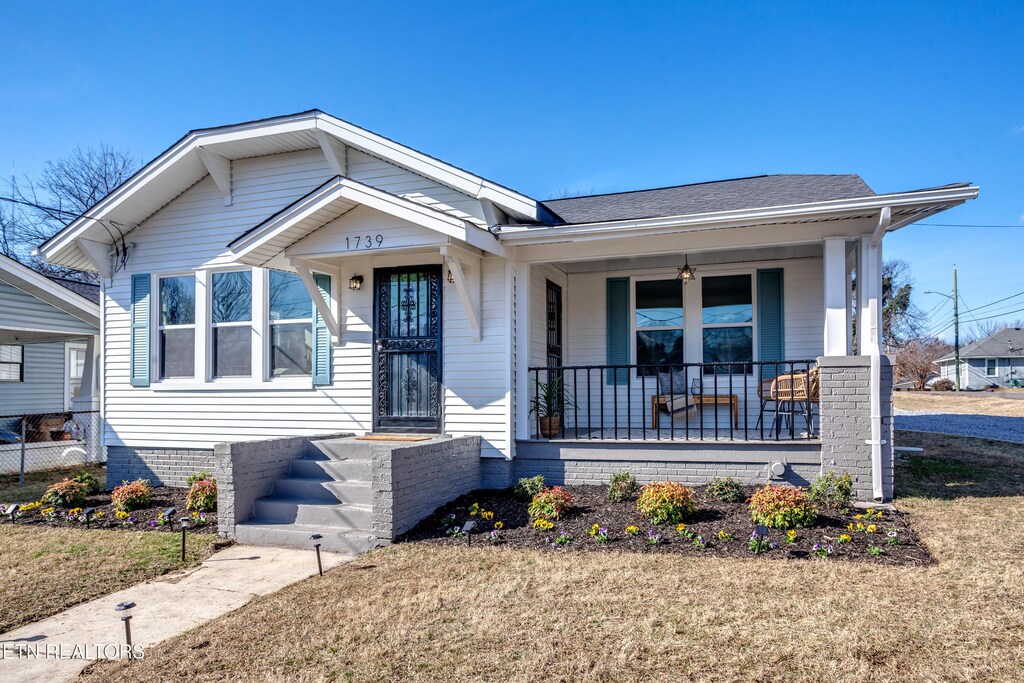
617, 320
140, 316
321, 335
770, 319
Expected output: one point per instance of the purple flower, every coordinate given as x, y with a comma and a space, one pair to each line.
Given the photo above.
152, 524
602, 532
817, 547
772, 546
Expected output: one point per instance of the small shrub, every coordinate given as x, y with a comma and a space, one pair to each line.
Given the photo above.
782, 507
131, 495
666, 502
202, 496
527, 488
550, 504
729, 490
66, 494
198, 476
832, 490
622, 487
87, 478
944, 384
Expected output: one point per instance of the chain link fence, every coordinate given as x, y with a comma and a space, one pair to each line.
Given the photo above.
37, 442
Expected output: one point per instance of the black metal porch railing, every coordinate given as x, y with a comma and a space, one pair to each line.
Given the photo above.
746, 401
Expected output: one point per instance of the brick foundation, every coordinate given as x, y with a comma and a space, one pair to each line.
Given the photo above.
161, 466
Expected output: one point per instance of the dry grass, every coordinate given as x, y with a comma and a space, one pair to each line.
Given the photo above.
37, 482
429, 613
47, 570
968, 403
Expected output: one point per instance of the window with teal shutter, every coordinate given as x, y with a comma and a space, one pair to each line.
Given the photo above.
770, 319
139, 362
617, 322
321, 335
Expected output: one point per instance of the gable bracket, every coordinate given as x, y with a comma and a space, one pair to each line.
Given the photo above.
465, 270
335, 151
323, 307
219, 169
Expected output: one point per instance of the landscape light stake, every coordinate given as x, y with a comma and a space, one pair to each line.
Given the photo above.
184, 525
86, 513
319, 564
12, 510
125, 610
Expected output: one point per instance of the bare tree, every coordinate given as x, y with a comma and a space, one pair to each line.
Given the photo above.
986, 328
915, 360
902, 321
35, 209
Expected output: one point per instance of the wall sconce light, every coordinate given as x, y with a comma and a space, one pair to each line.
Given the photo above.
686, 273
355, 283
451, 278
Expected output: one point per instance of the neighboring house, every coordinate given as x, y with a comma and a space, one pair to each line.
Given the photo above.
49, 330
996, 361
300, 275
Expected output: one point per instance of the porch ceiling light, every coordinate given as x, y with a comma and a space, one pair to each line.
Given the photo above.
686, 273
356, 282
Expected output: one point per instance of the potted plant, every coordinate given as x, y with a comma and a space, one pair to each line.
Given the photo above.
549, 402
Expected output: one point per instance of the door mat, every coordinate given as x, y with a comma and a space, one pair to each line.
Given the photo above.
388, 437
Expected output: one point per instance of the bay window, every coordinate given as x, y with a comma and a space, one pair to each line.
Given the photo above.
291, 326
727, 318
659, 324
231, 323
177, 326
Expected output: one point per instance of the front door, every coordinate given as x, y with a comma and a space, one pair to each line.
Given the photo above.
407, 353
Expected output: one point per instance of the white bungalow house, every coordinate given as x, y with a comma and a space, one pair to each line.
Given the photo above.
300, 275
995, 361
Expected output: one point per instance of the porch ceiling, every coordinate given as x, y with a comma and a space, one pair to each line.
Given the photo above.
706, 258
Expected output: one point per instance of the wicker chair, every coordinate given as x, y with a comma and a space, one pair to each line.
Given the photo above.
787, 392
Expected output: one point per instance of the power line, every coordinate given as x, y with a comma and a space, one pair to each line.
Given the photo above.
997, 301
972, 225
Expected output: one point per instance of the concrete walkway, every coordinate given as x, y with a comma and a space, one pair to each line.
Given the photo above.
165, 607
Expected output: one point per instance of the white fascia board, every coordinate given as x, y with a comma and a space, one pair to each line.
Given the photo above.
520, 235
41, 287
353, 191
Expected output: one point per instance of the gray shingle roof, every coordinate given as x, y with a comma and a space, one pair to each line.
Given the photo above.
722, 195
86, 290
1006, 343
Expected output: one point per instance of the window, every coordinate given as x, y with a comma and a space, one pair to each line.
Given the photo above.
12, 363
727, 316
177, 328
990, 367
291, 326
231, 322
75, 370
659, 324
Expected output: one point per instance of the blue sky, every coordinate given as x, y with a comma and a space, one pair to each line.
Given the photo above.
546, 97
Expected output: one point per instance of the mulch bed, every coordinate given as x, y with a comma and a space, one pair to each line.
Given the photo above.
712, 516
142, 520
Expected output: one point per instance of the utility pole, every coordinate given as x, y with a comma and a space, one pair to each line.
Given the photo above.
956, 329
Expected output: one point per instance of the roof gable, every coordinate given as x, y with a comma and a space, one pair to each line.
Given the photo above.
1006, 343
49, 293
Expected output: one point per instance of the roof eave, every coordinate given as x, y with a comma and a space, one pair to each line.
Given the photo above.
27, 280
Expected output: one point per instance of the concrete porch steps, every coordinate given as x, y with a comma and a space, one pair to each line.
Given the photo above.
327, 492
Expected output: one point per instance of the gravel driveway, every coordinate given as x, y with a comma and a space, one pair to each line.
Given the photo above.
983, 426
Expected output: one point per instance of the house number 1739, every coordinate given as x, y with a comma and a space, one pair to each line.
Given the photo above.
364, 241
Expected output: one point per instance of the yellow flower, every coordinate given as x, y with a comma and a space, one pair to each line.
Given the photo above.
878, 514
680, 528
594, 529
844, 538
121, 514
632, 530
871, 511
872, 528
74, 512
499, 525
791, 534
860, 527
99, 515
543, 525
487, 515
858, 516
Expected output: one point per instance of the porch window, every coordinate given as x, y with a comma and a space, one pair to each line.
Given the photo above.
990, 367
177, 328
231, 321
659, 324
12, 363
291, 326
727, 317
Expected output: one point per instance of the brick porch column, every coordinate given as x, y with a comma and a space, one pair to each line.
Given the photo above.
846, 421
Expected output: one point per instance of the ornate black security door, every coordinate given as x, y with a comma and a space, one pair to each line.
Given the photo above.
407, 355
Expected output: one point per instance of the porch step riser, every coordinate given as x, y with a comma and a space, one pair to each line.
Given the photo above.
328, 491
337, 470
290, 536
326, 515
339, 449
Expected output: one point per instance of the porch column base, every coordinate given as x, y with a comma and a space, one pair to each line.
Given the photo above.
495, 473
846, 421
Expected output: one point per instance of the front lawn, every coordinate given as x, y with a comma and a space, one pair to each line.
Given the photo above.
434, 612
36, 482
45, 570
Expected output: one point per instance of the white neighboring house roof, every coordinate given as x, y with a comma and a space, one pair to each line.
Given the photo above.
48, 291
207, 151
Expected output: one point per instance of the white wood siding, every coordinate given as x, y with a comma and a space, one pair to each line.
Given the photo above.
539, 276
585, 330
43, 388
192, 231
